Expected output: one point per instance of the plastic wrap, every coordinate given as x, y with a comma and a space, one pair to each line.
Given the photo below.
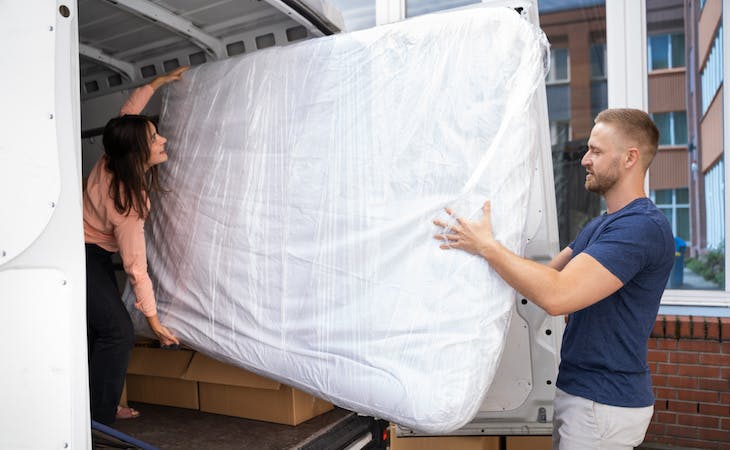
296, 239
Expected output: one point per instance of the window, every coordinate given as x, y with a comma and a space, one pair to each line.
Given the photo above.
296, 33
598, 61
697, 212
559, 63
265, 41
666, 51
715, 205
674, 203
711, 76
672, 127
235, 48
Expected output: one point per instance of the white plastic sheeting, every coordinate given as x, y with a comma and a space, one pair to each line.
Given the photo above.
296, 239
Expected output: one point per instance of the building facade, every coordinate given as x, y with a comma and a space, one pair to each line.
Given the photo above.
705, 120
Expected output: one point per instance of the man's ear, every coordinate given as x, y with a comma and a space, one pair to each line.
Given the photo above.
631, 157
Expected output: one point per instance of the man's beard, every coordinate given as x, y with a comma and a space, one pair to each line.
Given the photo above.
600, 184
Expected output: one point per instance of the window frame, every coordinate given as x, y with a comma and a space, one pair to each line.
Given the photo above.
672, 128
670, 63
626, 23
674, 205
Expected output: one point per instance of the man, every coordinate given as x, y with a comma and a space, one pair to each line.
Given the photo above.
609, 280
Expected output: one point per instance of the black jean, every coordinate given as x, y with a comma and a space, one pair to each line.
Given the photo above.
110, 335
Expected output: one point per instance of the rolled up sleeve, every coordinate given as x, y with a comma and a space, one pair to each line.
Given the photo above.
130, 236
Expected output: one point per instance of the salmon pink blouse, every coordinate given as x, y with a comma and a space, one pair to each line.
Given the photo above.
115, 232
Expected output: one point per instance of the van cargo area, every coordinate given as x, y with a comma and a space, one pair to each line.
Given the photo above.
168, 427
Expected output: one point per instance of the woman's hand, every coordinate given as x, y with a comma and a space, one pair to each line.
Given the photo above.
173, 75
163, 334
474, 237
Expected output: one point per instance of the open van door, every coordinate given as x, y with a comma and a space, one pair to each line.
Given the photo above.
43, 388
519, 401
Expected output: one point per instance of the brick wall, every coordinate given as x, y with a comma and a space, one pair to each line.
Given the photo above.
690, 362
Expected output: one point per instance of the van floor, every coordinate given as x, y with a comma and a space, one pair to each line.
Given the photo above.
182, 429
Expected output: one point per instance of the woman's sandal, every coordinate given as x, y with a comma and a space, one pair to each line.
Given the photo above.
127, 412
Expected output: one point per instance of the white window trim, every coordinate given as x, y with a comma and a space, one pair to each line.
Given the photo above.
726, 131
679, 297
389, 11
625, 27
626, 54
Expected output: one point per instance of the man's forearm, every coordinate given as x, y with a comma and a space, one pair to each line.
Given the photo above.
580, 282
536, 281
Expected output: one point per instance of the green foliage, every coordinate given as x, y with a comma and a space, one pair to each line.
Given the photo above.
710, 265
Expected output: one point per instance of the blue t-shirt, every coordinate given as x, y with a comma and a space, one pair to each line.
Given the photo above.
604, 351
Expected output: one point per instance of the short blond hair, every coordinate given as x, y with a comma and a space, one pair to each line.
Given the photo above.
636, 126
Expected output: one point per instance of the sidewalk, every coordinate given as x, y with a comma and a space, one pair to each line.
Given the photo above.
696, 282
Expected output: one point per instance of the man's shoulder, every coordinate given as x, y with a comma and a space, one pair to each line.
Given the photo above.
639, 222
639, 210
642, 213
646, 227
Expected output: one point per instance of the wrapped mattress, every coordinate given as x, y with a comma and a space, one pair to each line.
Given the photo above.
296, 239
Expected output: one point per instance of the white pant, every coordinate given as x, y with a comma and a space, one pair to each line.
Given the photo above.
581, 424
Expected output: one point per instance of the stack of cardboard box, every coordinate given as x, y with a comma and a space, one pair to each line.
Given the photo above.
187, 379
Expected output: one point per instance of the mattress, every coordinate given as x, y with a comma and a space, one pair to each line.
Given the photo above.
295, 238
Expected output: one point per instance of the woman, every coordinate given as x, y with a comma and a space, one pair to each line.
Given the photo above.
116, 204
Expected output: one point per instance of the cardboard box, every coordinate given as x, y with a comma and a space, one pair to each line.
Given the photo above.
443, 442
225, 389
155, 376
529, 443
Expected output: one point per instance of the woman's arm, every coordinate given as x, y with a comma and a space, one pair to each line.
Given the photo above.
141, 96
129, 234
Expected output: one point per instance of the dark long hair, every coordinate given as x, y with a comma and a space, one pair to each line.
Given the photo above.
126, 145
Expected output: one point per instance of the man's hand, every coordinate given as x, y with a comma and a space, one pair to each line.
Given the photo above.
567, 285
474, 237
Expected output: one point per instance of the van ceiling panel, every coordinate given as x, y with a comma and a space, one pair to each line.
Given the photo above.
210, 13
121, 37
